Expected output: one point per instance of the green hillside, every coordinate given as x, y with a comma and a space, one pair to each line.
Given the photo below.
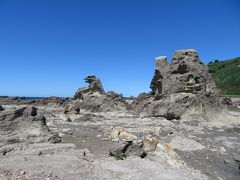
226, 75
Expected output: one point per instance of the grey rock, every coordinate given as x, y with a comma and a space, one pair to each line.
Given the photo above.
72, 108
30, 111
186, 73
160, 70
94, 99
226, 101
23, 125
236, 158
178, 87
95, 85
55, 138
124, 149
90, 117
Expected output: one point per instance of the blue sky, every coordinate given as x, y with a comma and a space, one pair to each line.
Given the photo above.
47, 47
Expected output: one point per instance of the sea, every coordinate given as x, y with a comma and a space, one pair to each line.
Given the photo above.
34, 98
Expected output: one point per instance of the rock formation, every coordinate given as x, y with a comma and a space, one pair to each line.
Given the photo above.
96, 124
95, 85
95, 99
73, 108
181, 86
53, 100
187, 73
23, 125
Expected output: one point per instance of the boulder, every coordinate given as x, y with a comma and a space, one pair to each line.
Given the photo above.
30, 111
72, 108
125, 149
150, 143
23, 125
1, 108
226, 101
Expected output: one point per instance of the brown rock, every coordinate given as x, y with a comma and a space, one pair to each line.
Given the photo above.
150, 143
180, 86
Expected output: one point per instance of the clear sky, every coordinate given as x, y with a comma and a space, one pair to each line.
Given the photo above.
47, 47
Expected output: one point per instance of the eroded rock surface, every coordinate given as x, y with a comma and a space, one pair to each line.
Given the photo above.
93, 98
72, 138
95, 85
180, 87
23, 125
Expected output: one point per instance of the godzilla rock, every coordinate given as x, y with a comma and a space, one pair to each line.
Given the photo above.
23, 125
181, 86
96, 102
94, 99
95, 85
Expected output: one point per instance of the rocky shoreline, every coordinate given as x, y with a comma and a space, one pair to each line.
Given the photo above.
182, 129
